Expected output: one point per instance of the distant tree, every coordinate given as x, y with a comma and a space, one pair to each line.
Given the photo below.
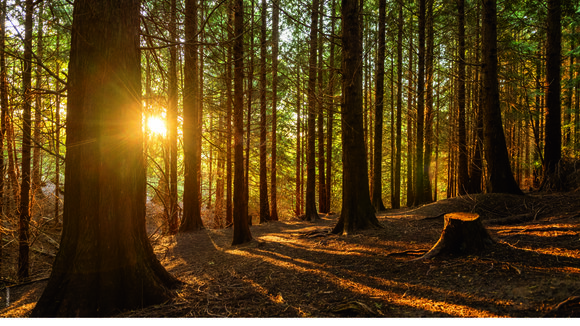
191, 147
357, 210
240, 214
553, 131
105, 263
500, 177
377, 197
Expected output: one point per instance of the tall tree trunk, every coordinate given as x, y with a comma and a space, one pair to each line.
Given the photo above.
275, 41
191, 219
377, 198
241, 229
396, 202
38, 122
419, 195
476, 166
24, 207
264, 205
229, 103
410, 88
311, 213
250, 93
3, 115
57, 144
357, 210
172, 122
553, 136
330, 113
463, 172
298, 209
500, 177
428, 103
219, 186
320, 122
105, 263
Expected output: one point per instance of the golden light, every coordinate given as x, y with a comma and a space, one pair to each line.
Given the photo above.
156, 125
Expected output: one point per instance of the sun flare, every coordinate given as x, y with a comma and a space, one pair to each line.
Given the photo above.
156, 125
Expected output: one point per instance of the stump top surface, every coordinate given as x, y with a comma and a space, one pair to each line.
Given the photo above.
462, 216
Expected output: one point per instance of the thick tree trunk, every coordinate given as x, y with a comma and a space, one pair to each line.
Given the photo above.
500, 177
311, 213
357, 210
463, 172
377, 198
241, 229
463, 234
428, 103
553, 136
24, 207
419, 194
105, 263
191, 220
264, 205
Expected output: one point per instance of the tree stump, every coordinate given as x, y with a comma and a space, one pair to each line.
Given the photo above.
463, 234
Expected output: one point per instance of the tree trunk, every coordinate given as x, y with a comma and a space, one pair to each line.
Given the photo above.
172, 123
275, 41
357, 210
3, 116
264, 205
476, 166
396, 202
410, 190
105, 263
250, 93
419, 195
377, 198
463, 172
241, 229
298, 210
553, 136
463, 234
191, 220
57, 146
229, 102
24, 207
311, 213
321, 164
500, 177
330, 115
38, 121
428, 104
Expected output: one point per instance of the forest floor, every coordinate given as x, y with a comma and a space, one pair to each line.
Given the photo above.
298, 269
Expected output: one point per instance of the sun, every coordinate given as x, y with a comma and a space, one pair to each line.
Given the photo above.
156, 125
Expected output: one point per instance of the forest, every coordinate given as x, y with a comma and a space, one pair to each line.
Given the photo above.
289, 158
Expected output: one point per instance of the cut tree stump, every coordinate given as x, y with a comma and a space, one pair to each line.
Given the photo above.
463, 234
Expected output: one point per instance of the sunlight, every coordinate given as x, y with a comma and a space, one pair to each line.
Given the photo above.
156, 125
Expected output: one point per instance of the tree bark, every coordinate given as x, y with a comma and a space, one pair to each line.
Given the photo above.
396, 202
419, 195
463, 172
553, 132
24, 207
330, 113
275, 41
264, 205
191, 219
38, 121
311, 213
229, 102
499, 174
377, 198
241, 228
357, 210
3, 115
428, 103
320, 121
105, 263
172, 122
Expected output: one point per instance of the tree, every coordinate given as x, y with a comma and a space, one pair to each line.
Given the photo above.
240, 214
500, 177
377, 198
264, 205
419, 195
322, 203
191, 147
24, 207
311, 213
3, 116
428, 103
463, 175
357, 210
172, 122
275, 41
105, 263
396, 202
553, 131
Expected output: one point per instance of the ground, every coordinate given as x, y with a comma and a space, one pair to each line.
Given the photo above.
298, 269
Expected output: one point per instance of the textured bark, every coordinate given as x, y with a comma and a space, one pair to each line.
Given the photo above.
241, 229
3, 115
410, 170
476, 165
105, 263
24, 207
229, 102
428, 103
419, 195
264, 205
499, 174
311, 213
331, 108
553, 132
377, 197
357, 210
191, 219
298, 209
38, 120
172, 123
463, 172
396, 198
275, 41
320, 121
